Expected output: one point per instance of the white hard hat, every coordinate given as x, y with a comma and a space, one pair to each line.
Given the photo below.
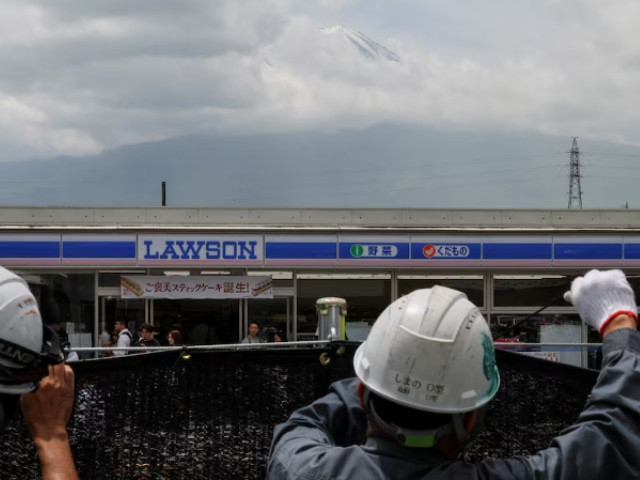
430, 350
21, 333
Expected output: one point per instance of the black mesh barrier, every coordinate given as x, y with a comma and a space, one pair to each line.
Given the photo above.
211, 416
537, 399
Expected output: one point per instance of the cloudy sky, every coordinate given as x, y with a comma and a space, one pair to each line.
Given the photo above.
84, 78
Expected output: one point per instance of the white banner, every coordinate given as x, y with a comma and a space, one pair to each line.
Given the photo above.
141, 286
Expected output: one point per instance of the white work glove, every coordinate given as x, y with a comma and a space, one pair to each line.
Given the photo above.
600, 296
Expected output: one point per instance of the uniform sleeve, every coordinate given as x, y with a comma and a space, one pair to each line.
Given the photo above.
337, 419
604, 441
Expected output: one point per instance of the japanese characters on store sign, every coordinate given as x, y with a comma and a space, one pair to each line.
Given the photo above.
196, 287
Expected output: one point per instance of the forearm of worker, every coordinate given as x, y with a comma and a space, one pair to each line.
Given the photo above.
337, 419
56, 461
621, 321
603, 442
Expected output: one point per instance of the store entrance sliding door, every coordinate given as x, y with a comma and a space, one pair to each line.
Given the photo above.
272, 313
202, 322
113, 308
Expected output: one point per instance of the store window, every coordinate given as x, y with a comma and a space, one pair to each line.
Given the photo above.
112, 279
471, 285
67, 303
280, 279
516, 333
634, 281
112, 308
594, 352
530, 290
202, 322
273, 315
367, 295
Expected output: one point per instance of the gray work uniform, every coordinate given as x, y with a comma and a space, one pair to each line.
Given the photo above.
324, 440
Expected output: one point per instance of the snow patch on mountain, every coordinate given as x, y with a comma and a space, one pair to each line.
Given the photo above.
365, 45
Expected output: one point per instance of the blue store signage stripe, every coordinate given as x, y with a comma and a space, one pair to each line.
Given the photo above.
99, 250
29, 249
311, 250
632, 251
587, 251
516, 251
371, 249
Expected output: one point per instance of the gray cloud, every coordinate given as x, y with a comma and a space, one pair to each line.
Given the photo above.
80, 77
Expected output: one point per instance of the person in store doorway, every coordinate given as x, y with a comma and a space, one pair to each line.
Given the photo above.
124, 337
204, 333
271, 335
425, 376
146, 334
175, 338
252, 336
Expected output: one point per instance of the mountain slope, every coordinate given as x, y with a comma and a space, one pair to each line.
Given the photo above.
382, 166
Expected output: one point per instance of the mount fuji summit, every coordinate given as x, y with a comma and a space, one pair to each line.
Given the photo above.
366, 46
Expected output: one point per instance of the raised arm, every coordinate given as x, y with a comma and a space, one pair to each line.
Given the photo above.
46, 412
603, 442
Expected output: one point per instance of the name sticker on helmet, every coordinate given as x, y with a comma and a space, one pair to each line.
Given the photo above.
416, 388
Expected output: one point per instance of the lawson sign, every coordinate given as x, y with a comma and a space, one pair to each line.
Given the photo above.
199, 249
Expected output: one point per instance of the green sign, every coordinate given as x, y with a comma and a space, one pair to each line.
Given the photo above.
357, 250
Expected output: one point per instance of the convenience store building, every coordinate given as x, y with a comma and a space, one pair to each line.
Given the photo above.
270, 265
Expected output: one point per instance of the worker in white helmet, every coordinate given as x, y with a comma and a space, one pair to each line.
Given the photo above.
32, 373
425, 375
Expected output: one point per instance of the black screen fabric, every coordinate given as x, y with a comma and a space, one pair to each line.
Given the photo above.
210, 414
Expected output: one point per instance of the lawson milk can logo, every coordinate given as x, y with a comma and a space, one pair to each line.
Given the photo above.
445, 251
358, 250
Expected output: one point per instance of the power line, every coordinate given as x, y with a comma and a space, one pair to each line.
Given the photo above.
600, 165
613, 154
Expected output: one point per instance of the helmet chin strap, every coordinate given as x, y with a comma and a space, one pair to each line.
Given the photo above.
460, 429
419, 438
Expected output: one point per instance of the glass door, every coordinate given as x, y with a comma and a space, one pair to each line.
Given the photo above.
271, 314
113, 308
202, 322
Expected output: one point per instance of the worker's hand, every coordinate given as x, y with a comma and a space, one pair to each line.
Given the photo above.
47, 410
600, 296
